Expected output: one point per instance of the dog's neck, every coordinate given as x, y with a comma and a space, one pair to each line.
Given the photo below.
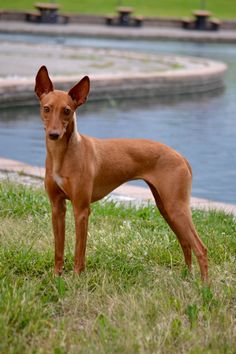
56, 149
71, 130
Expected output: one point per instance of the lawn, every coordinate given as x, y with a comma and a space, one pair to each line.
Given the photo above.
170, 8
135, 296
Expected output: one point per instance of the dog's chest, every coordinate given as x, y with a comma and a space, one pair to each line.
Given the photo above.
59, 181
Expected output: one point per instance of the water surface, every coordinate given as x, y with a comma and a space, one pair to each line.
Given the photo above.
202, 128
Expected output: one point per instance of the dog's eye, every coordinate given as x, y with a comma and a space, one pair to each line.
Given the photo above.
46, 109
67, 111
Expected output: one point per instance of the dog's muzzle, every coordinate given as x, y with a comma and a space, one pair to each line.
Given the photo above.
53, 136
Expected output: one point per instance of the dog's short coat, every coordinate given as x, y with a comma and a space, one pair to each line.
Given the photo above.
84, 169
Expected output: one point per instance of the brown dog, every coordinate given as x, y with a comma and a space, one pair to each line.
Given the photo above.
84, 170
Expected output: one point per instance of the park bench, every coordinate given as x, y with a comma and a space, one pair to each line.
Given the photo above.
187, 23
110, 19
215, 24
138, 21
46, 13
124, 18
202, 21
63, 19
32, 16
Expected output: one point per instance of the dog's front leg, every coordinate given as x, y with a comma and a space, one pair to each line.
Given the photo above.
58, 222
81, 214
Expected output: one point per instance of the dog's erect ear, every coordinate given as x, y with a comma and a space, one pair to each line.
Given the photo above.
43, 84
80, 91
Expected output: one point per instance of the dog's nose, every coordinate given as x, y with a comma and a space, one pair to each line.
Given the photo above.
53, 136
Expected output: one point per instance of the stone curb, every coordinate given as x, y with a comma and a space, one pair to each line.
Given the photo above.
103, 31
208, 78
126, 192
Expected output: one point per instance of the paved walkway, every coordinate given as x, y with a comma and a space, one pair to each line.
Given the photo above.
19, 61
113, 73
103, 31
126, 192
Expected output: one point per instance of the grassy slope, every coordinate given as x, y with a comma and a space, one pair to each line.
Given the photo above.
135, 296
179, 8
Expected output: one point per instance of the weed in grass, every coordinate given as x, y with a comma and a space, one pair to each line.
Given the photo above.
192, 313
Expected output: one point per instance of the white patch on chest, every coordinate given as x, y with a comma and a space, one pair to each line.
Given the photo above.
59, 181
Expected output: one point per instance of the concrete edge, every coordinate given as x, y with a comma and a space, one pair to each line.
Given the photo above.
100, 30
206, 79
126, 192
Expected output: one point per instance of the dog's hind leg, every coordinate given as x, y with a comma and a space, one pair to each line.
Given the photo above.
180, 220
185, 245
172, 197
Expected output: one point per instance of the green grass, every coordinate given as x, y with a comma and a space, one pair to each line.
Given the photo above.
170, 8
135, 296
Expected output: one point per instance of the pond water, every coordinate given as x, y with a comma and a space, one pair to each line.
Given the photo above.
202, 128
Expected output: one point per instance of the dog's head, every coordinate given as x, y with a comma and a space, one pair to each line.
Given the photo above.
58, 107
